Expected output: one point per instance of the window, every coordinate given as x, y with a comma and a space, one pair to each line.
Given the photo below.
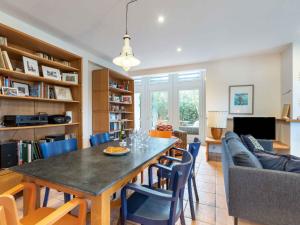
159, 107
189, 111
176, 98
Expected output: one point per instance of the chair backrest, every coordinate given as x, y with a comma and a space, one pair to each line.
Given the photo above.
160, 134
179, 176
99, 138
50, 149
8, 210
181, 172
194, 149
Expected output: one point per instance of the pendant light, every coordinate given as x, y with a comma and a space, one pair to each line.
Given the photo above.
126, 60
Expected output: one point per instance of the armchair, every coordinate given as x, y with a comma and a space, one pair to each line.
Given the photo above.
40, 216
149, 206
164, 171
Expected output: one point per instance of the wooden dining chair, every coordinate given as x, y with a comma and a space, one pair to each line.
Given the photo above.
51, 149
99, 138
160, 134
171, 161
40, 216
149, 206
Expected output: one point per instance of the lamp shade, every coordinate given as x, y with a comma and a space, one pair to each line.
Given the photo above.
217, 119
126, 59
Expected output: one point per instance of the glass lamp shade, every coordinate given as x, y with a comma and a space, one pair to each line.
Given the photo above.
126, 60
217, 119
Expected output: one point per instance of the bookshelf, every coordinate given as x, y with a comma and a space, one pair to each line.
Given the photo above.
108, 113
18, 45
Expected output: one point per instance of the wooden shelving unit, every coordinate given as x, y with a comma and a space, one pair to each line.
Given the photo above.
103, 106
19, 45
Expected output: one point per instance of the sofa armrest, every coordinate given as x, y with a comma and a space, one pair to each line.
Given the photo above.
267, 144
264, 196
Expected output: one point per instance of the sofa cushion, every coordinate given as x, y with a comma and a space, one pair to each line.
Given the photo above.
251, 143
270, 160
241, 155
231, 135
275, 161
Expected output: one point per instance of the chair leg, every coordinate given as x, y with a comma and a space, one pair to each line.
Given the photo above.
182, 220
158, 181
67, 197
236, 220
190, 192
195, 188
46, 197
142, 177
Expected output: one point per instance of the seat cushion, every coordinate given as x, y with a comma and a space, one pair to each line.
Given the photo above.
41, 213
150, 208
241, 155
251, 143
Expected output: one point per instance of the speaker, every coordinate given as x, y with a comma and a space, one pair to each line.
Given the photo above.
8, 154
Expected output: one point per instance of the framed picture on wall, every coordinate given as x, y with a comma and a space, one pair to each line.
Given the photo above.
241, 99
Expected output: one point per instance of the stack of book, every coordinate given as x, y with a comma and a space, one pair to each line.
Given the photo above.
3, 41
5, 81
29, 151
5, 62
115, 127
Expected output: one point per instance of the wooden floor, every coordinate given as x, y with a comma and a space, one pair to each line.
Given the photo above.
211, 210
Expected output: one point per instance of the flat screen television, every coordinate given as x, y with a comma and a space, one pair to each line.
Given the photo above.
258, 127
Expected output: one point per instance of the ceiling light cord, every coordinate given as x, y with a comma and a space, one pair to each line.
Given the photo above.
132, 1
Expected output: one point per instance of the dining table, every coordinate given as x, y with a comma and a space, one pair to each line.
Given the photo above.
91, 174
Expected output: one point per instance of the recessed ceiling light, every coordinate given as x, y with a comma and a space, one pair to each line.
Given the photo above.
179, 49
161, 19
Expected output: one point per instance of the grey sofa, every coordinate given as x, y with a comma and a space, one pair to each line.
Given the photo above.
263, 196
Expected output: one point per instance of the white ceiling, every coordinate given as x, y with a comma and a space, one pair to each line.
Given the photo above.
205, 29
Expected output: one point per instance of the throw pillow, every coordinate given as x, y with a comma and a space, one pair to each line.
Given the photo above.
241, 155
251, 143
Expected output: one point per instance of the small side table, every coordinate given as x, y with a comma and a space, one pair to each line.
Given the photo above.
213, 145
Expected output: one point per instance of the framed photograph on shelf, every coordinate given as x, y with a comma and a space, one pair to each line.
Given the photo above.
23, 89
126, 99
70, 78
31, 66
9, 91
241, 99
51, 73
63, 93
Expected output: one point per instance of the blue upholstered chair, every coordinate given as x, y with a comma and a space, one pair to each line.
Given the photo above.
98, 139
194, 150
51, 149
149, 206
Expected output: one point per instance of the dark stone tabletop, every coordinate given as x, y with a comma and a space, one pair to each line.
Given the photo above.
90, 170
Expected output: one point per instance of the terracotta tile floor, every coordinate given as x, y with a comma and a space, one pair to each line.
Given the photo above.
211, 210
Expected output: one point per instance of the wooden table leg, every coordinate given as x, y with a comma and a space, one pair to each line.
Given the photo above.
100, 211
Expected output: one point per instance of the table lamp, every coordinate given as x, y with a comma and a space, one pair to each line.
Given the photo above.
217, 121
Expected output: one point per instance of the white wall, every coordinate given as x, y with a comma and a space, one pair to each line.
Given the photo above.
263, 71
